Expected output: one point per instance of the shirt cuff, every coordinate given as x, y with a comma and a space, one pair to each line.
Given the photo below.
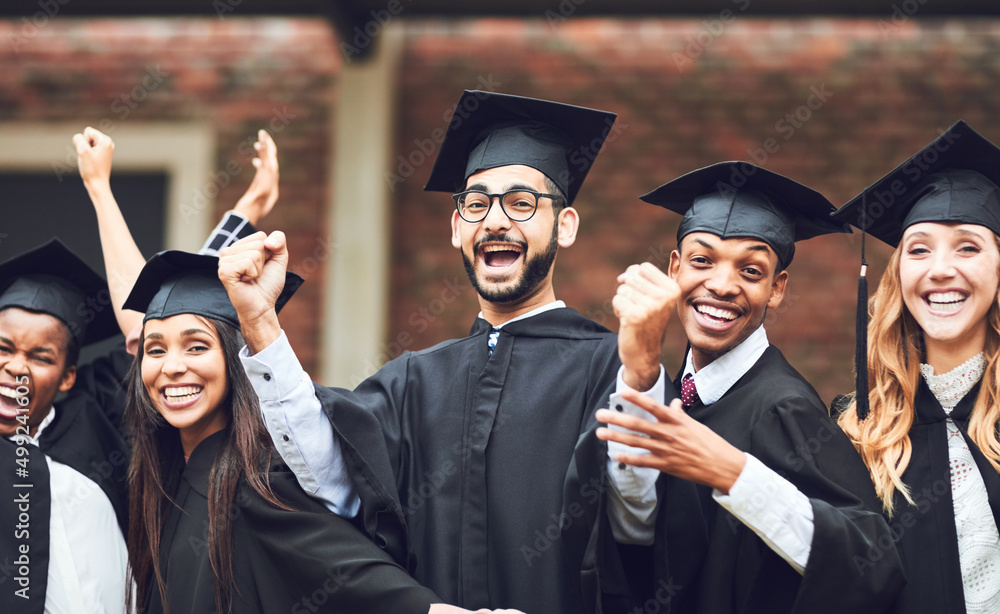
275, 371
774, 509
632, 496
231, 229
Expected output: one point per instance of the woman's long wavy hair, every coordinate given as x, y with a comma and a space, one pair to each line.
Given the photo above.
158, 461
895, 350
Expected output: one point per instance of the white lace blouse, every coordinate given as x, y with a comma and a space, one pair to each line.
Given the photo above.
978, 538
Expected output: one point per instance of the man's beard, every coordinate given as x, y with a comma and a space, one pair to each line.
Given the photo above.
535, 270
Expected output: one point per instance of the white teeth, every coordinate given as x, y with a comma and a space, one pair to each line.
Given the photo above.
175, 392
500, 248
945, 297
715, 312
9, 392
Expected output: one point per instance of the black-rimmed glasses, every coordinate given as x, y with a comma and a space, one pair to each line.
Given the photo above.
518, 205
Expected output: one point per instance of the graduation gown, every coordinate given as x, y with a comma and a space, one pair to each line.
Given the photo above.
708, 562
299, 561
926, 533
88, 433
460, 457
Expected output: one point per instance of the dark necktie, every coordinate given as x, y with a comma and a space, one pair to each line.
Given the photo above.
689, 394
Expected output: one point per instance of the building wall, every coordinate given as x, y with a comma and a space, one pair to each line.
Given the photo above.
832, 103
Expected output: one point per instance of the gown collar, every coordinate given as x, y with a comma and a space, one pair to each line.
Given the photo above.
199, 465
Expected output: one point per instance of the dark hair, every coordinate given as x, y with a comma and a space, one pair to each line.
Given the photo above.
552, 188
158, 461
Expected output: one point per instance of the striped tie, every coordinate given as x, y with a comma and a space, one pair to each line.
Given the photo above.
492, 342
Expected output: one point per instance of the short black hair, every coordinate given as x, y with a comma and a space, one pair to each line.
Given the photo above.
551, 187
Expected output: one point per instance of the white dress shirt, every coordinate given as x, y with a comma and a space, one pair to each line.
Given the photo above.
87, 554
784, 523
300, 430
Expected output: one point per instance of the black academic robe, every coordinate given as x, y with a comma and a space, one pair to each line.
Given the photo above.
24, 538
460, 458
87, 435
299, 561
926, 536
708, 562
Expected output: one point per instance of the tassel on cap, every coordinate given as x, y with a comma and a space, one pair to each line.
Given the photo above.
861, 330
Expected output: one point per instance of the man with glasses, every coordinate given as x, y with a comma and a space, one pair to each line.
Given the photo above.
454, 458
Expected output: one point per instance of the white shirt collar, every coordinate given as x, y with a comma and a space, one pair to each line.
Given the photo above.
533, 312
718, 376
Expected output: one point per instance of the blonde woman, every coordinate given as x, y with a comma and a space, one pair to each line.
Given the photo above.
929, 433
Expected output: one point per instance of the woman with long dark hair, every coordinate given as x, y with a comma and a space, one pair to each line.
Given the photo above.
929, 429
217, 521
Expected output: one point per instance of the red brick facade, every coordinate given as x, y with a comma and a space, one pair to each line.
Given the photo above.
831, 103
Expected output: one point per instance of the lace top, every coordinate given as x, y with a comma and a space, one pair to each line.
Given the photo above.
978, 538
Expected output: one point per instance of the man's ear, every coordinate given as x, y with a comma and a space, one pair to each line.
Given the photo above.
456, 223
569, 224
777, 290
675, 264
68, 379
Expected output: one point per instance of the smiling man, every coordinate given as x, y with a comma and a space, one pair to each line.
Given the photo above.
455, 456
755, 511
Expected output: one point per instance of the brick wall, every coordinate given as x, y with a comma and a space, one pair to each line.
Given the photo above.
688, 93
237, 74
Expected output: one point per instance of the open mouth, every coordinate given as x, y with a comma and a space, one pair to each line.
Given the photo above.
12, 404
500, 256
945, 303
179, 397
715, 317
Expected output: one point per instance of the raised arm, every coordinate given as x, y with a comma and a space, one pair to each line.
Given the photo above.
122, 259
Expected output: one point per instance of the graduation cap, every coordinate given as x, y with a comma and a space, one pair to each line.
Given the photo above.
489, 130
53, 280
175, 282
739, 199
954, 179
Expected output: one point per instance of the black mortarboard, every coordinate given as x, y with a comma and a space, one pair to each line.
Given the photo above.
739, 199
175, 282
489, 130
953, 179
52, 279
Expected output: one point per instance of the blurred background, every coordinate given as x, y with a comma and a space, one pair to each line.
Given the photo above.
357, 95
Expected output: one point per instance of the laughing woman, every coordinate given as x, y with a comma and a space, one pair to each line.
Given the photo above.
217, 522
930, 434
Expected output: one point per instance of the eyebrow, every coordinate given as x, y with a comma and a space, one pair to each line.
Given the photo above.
517, 185
35, 350
187, 333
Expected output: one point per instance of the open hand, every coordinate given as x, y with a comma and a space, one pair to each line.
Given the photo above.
262, 194
678, 444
